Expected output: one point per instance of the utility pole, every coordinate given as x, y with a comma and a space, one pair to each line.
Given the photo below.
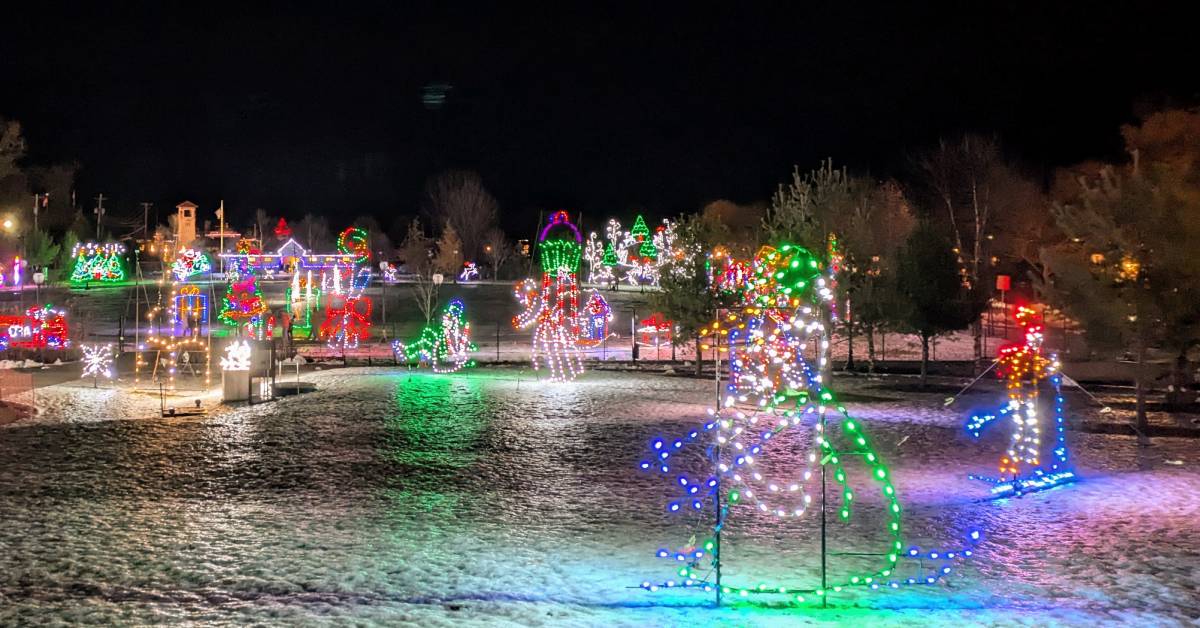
146, 219
99, 211
221, 252
38, 201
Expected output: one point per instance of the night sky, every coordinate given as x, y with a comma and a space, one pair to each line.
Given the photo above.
660, 108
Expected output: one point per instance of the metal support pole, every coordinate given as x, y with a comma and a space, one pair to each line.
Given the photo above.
717, 495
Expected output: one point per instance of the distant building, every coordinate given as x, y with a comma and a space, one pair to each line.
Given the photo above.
185, 224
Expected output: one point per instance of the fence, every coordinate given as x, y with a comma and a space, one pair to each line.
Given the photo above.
17, 388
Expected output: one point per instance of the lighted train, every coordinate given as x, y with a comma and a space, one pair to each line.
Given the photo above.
40, 327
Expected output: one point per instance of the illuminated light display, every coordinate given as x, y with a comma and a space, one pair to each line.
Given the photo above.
551, 308
594, 320
635, 256
355, 242
98, 262
18, 266
655, 330
174, 335
469, 272
243, 305
282, 230
777, 342
348, 311
446, 345
302, 298
41, 327
289, 256
189, 311
237, 356
97, 361
1024, 467
190, 263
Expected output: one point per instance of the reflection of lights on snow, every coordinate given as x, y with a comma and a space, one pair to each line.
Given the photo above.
97, 360
237, 356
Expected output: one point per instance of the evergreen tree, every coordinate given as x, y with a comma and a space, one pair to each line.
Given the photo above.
933, 300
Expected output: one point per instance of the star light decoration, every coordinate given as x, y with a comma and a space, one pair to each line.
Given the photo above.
552, 308
446, 346
237, 356
777, 342
97, 360
1024, 369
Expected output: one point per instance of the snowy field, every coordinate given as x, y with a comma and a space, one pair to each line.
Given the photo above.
494, 499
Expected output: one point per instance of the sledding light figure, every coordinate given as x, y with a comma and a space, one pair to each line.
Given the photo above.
1024, 466
552, 307
777, 341
97, 361
446, 346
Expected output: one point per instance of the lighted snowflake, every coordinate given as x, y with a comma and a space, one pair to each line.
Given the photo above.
97, 361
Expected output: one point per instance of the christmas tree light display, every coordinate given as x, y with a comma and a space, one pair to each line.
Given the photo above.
97, 361
243, 306
1025, 370
355, 241
597, 314
552, 308
190, 263
777, 341
98, 262
446, 345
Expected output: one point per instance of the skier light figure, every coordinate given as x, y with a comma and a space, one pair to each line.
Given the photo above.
1023, 367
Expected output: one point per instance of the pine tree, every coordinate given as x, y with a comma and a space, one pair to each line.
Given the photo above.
933, 299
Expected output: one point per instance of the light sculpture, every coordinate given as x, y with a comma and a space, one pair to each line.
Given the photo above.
1026, 466
551, 308
777, 342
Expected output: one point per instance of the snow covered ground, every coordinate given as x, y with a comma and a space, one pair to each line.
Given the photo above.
494, 498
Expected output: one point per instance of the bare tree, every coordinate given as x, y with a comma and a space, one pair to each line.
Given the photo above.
416, 251
497, 249
968, 185
458, 198
314, 232
261, 222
